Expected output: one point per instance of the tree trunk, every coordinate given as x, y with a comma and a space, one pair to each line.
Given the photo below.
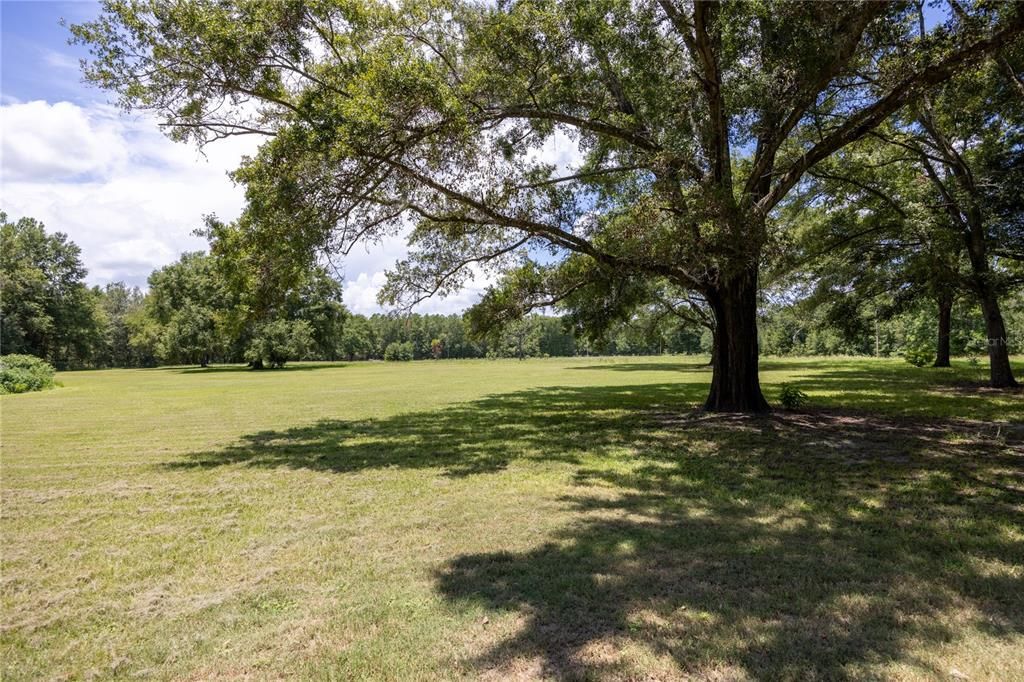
735, 386
1000, 372
968, 214
256, 364
945, 315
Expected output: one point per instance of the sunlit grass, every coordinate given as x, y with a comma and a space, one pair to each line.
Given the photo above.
547, 518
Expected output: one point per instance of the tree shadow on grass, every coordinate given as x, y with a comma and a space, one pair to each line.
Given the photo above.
915, 392
481, 436
219, 369
617, 365
796, 546
793, 547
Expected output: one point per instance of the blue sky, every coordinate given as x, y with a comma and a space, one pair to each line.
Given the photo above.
35, 54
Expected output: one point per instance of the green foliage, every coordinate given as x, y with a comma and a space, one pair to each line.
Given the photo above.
918, 357
791, 397
356, 340
399, 351
22, 373
119, 305
198, 312
275, 343
191, 303
517, 339
46, 309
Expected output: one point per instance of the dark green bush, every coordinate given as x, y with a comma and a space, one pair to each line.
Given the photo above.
398, 351
23, 373
791, 397
918, 357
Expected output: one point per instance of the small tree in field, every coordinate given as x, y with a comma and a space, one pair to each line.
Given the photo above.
436, 348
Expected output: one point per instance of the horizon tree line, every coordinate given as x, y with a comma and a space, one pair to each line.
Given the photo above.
190, 313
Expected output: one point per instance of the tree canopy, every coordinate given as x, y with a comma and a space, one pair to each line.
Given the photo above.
47, 310
690, 124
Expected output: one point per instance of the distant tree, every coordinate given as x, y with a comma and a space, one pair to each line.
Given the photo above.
47, 310
932, 204
556, 339
969, 141
144, 335
191, 302
356, 339
517, 339
873, 245
278, 341
317, 300
267, 284
118, 303
436, 349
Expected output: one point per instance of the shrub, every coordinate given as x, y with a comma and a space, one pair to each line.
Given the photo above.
918, 357
791, 397
397, 351
23, 373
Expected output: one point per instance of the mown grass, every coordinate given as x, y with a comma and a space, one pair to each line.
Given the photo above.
543, 519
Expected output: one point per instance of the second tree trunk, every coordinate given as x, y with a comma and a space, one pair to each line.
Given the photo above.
945, 316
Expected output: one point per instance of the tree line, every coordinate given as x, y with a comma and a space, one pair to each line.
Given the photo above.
191, 314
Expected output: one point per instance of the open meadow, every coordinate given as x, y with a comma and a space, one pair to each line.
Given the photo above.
555, 518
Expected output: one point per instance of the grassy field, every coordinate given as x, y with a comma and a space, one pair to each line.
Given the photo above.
553, 518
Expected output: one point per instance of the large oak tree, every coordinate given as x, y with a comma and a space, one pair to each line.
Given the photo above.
691, 121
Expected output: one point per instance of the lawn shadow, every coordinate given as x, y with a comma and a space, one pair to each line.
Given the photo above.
912, 391
555, 423
218, 369
806, 546
630, 365
647, 366
817, 545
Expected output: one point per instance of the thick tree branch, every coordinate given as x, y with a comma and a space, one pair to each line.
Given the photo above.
708, 46
872, 116
845, 42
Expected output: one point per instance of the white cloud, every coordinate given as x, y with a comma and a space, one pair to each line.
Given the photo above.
365, 274
128, 196
41, 141
361, 294
131, 198
560, 150
465, 297
60, 60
